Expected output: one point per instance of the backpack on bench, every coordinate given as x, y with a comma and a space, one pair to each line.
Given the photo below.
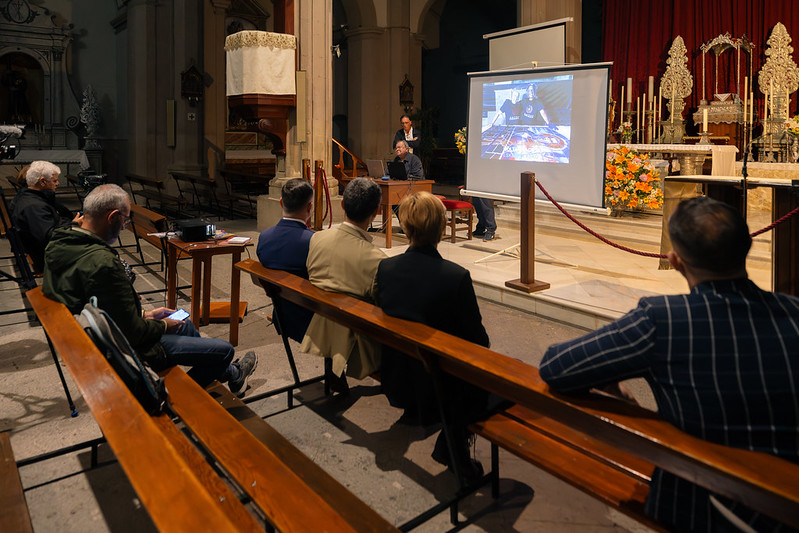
145, 384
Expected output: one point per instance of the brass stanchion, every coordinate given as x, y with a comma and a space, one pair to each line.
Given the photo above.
318, 196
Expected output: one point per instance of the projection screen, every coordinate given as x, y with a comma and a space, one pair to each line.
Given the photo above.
550, 121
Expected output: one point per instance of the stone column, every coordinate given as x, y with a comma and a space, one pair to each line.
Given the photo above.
188, 154
142, 96
215, 101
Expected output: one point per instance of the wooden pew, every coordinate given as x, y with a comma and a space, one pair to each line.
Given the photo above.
14, 514
200, 189
155, 190
173, 479
143, 222
612, 433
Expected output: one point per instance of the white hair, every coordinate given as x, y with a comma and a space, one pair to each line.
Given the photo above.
39, 170
104, 199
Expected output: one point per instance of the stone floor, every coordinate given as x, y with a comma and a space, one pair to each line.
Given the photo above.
358, 438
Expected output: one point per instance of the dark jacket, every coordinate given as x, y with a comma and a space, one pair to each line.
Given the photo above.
284, 246
421, 286
79, 265
36, 214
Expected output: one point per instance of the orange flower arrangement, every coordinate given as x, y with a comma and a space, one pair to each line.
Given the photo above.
631, 181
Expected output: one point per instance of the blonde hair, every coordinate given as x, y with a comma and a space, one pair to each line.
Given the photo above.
423, 218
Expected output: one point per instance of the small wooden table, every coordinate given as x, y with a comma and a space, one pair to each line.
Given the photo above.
393, 193
202, 254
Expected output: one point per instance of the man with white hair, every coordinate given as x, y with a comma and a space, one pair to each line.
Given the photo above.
79, 264
35, 212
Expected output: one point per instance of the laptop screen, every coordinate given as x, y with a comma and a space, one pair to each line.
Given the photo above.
396, 169
375, 168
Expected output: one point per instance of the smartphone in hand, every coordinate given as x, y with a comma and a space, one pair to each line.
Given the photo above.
180, 314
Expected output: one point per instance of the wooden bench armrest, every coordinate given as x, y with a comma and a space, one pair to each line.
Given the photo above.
742, 475
170, 487
280, 492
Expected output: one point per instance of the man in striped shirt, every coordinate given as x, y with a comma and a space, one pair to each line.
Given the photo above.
722, 361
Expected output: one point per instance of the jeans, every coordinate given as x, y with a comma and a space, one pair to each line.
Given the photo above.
485, 215
208, 358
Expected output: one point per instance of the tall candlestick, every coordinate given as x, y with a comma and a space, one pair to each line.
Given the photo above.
651, 88
638, 119
621, 107
787, 100
629, 90
704, 120
751, 108
746, 96
765, 109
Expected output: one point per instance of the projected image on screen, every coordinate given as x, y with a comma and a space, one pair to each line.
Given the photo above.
527, 120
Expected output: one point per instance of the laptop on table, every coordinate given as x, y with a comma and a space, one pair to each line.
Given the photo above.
376, 168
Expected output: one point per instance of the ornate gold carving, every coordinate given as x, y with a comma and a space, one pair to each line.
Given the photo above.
677, 82
779, 67
269, 39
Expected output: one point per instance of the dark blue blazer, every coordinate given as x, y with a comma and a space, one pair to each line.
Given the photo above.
284, 246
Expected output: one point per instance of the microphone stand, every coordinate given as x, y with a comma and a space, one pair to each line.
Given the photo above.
745, 174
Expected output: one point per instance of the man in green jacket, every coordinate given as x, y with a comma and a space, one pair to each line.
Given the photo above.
79, 264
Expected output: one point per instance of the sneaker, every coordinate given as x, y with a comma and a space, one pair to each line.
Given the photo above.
489, 236
246, 365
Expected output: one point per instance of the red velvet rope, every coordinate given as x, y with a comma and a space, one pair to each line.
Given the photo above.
638, 252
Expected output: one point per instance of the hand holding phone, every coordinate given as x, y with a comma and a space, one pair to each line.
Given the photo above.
180, 314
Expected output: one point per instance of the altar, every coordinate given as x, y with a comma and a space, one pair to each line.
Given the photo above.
691, 156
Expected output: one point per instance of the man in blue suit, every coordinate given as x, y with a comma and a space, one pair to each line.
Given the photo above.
284, 246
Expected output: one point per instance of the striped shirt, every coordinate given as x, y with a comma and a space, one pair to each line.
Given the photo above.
723, 364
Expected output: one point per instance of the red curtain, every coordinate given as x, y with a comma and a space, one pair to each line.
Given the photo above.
637, 35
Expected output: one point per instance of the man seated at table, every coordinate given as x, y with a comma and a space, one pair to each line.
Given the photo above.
413, 165
36, 213
721, 361
343, 259
80, 263
284, 246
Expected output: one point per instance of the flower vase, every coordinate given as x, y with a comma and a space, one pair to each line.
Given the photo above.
626, 138
793, 149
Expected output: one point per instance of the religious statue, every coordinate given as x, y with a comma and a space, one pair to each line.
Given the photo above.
90, 117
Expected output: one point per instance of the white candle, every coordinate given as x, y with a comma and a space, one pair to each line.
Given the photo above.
765, 109
621, 107
751, 108
651, 88
704, 120
629, 90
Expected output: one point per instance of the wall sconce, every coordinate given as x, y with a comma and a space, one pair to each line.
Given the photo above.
406, 94
191, 85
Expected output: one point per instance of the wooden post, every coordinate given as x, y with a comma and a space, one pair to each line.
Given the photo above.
318, 195
527, 281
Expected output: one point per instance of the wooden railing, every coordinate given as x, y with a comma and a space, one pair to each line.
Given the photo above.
339, 171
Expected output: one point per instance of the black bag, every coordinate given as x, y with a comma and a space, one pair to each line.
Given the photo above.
145, 384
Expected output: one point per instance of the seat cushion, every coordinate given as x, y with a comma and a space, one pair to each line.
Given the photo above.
456, 204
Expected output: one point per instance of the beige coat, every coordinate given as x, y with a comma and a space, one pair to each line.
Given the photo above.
343, 259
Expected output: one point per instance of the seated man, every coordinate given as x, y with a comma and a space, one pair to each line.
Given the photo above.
35, 212
413, 165
284, 246
79, 264
720, 360
343, 259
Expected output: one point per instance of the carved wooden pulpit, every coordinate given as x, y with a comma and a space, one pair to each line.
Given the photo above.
260, 76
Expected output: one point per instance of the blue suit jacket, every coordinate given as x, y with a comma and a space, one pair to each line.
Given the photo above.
284, 246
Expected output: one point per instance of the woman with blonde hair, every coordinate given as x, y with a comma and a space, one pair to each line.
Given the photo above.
421, 286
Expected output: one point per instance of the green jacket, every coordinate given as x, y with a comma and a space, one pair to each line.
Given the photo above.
79, 265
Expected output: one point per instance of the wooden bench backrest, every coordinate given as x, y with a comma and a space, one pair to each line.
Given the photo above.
761, 481
145, 181
13, 507
146, 221
171, 486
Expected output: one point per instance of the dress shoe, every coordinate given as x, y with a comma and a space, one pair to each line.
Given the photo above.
471, 471
337, 384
